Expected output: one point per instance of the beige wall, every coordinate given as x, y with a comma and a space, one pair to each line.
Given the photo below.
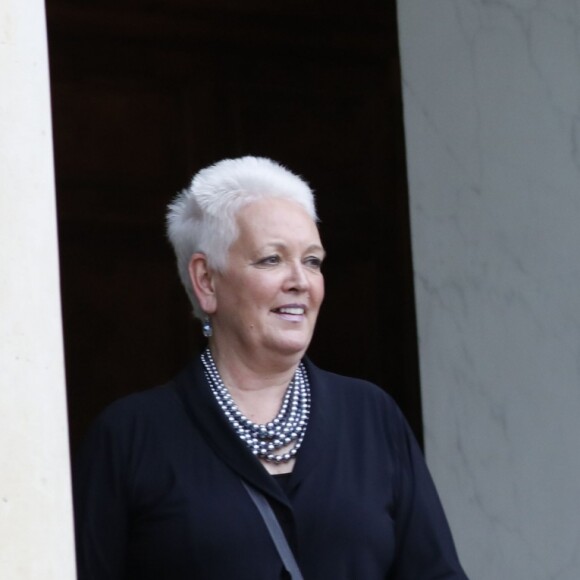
36, 538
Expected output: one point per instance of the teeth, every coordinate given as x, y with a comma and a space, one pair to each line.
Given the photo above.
293, 310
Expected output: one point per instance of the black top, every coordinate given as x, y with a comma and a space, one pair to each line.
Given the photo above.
283, 480
158, 492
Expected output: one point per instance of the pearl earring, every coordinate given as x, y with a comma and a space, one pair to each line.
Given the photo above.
206, 327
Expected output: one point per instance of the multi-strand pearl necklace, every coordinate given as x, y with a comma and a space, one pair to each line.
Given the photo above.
289, 425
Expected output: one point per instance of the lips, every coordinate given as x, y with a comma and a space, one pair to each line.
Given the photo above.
291, 310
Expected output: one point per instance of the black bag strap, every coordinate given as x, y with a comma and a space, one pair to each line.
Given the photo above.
276, 532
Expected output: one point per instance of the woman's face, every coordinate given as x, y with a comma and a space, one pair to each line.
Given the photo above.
268, 298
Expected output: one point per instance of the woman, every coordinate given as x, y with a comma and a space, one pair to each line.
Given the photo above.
163, 484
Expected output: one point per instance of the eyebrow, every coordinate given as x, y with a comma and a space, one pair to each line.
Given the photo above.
316, 247
281, 245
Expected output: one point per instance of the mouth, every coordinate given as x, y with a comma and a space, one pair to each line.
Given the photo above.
292, 312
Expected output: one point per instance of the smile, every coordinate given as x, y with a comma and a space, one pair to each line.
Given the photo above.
299, 310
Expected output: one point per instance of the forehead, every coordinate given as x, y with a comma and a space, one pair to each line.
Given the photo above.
276, 217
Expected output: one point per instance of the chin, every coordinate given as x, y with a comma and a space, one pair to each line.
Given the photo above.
291, 348
290, 345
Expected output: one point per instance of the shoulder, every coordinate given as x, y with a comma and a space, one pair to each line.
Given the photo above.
138, 427
143, 417
126, 424
136, 406
360, 414
154, 404
352, 388
357, 396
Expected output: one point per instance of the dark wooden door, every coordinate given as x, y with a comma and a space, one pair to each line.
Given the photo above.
144, 94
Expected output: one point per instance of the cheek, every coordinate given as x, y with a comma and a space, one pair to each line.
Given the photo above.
263, 290
319, 290
256, 296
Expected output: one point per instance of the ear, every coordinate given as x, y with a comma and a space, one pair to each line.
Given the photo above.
202, 281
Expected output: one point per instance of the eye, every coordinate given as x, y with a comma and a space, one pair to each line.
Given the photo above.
313, 262
269, 260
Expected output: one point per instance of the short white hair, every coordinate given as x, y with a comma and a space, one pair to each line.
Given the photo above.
202, 218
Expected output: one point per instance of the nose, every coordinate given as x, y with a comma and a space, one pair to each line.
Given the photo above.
297, 280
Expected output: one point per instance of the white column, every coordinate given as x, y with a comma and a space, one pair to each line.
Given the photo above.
36, 537
492, 117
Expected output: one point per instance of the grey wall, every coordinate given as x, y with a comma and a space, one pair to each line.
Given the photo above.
492, 119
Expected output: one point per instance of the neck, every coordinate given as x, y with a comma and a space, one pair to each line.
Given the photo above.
257, 393
271, 423
253, 373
